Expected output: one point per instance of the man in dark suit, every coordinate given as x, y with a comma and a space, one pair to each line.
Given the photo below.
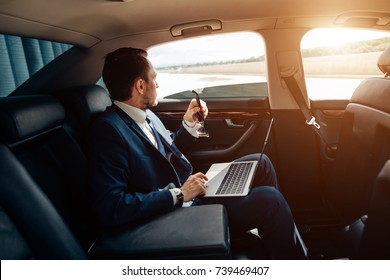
137, 169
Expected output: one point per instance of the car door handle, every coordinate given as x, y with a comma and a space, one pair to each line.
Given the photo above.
230, 123
228, 152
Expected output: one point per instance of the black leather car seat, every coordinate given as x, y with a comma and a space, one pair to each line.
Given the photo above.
82, 105
375, 241
43, 174
364, 145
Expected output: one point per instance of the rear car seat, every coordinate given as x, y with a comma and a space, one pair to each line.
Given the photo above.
41, 195
42, 176
31, 226
82, 105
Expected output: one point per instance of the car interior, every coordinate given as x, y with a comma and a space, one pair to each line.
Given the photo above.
336, 178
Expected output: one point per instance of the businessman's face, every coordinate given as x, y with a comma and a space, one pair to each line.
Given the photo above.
150, 95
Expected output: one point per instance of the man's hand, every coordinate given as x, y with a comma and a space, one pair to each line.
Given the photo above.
193, 108
194, 186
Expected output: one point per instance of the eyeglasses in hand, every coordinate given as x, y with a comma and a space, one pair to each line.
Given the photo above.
202, 131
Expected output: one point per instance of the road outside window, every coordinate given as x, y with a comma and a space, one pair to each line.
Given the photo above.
335, 61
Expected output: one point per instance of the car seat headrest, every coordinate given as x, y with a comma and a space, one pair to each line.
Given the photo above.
384, 62
85, 101
22, 117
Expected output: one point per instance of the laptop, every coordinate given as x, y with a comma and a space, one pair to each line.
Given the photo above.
229, 179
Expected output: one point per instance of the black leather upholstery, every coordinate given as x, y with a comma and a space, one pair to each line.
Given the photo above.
85, 102
20, 120
12, 244
375, 243
82, 105
34, 215
48, 160
160, 239
373, 93
363, 148
50, 155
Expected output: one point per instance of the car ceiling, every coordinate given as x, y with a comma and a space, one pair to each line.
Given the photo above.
101, 26
89, 22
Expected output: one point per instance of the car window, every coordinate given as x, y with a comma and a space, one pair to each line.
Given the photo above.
219, 66
20, 58
335, 61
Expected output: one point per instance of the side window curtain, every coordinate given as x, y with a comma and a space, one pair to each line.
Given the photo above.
20, 58
34, 58
10, 77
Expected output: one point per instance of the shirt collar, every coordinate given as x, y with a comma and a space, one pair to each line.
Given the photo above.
135, 113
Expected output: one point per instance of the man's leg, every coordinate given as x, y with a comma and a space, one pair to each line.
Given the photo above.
265, 174
266, 209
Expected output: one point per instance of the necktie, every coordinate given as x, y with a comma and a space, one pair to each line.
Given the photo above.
160, 145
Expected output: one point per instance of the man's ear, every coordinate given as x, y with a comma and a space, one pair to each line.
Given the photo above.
140, 85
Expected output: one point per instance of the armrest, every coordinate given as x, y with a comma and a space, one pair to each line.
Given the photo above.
198, 232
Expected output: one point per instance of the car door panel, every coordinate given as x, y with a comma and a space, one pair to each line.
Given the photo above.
237, 127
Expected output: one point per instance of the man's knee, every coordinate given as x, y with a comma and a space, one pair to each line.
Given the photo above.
269, 196
265, 162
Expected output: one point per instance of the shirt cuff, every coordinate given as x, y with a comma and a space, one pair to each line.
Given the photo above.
173, 196
192, 128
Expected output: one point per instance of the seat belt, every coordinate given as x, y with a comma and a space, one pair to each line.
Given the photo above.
296, 93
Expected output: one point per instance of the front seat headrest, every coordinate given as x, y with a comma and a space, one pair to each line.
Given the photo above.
384, 62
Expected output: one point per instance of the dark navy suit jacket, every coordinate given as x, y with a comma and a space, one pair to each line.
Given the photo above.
129, 177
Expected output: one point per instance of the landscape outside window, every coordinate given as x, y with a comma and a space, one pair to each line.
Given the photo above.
216, 64
335, 62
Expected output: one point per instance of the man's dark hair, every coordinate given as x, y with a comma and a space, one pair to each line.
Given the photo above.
121, 68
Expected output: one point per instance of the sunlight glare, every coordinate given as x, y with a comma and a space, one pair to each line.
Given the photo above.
334, 37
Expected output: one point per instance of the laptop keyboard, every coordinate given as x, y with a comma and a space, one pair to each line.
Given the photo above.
235, 179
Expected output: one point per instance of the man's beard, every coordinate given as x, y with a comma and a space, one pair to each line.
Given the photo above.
147, 102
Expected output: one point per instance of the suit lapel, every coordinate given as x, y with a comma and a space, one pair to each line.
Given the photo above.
131, 124
184, 169
168, 142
